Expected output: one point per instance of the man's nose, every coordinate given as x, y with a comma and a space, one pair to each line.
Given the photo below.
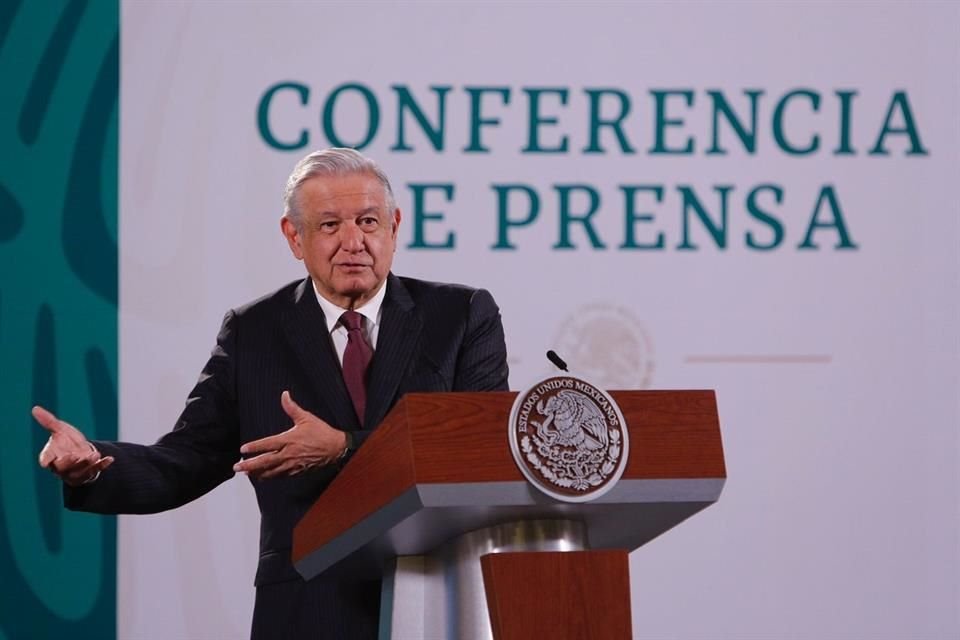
351, 237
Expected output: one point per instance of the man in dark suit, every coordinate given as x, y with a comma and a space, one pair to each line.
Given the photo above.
297, 381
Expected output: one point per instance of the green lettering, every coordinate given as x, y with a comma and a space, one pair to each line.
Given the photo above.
631, 217
828, 196
373, 116
844, 147
263, 116
900, 101
662, 122
616, 123
691, 203
536, 120
748, 138
504, 221
406, 103
421, 216
477, 121
765, 217
567, 217
778, 128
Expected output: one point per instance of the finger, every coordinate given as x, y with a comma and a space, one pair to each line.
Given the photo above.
266, 445
100, 465
64, 466
90, 460
83, 473
291, 408
258, 464
70, 463
58, 427
46, 419
80, 474
48, 454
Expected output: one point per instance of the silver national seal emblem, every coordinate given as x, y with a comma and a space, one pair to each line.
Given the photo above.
569, 438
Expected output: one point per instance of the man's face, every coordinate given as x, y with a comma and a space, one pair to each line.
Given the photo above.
347, 236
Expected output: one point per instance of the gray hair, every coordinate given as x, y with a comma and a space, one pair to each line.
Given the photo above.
335, 161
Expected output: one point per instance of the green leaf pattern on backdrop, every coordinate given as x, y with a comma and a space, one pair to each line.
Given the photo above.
59, 65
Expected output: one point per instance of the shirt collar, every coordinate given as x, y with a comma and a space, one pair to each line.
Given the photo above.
370, 311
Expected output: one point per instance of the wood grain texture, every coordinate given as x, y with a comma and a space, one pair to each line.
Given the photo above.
581, 595
673, 434
462, 437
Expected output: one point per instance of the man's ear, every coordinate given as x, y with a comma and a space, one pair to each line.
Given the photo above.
292, 235
396, 221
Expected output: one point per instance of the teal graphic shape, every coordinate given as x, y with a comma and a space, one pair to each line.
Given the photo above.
59, 65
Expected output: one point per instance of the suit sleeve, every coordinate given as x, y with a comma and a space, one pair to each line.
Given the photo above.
184, 464
482, 360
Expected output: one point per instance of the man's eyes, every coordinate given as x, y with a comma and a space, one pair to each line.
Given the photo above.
366, 223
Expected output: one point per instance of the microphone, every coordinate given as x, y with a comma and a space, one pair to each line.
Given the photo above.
557, 360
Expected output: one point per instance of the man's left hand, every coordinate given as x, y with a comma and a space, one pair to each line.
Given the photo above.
309, 443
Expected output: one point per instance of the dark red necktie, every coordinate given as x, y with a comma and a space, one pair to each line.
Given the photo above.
356, 359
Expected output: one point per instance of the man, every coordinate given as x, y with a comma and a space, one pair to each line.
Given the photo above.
297, 381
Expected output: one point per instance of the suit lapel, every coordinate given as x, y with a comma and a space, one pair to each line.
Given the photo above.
306, 330
397, 340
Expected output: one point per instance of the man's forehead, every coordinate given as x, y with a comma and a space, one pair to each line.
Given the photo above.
323, 192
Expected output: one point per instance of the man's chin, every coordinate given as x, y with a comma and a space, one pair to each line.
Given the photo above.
356, 288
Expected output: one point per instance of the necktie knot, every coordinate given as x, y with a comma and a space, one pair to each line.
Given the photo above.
352, 320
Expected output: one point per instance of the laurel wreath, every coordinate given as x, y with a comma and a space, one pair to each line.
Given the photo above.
577, 469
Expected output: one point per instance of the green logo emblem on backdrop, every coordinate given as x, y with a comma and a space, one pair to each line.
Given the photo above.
58, 305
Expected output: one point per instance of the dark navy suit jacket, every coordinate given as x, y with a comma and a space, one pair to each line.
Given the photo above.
433, 337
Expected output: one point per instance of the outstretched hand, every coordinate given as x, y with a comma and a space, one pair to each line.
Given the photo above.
68, 453
309, 443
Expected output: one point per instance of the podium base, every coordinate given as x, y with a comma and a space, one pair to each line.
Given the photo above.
583, 595
442, 595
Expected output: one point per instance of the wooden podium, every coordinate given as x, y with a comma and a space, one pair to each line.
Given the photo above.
434, 503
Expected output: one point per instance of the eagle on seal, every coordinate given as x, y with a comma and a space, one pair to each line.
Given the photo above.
576, 421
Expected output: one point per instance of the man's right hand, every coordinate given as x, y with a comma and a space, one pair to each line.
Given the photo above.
68, 453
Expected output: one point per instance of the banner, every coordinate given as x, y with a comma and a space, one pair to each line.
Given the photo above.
756, 199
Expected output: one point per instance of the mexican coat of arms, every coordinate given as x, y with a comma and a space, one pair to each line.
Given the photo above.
569, 438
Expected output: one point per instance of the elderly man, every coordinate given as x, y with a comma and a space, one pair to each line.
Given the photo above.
296, 382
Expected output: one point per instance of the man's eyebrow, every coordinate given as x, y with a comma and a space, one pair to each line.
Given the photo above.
326, 213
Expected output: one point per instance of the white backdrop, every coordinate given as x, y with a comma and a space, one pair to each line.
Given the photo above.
837, 370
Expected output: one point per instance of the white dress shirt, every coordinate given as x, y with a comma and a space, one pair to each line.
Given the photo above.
338, 333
